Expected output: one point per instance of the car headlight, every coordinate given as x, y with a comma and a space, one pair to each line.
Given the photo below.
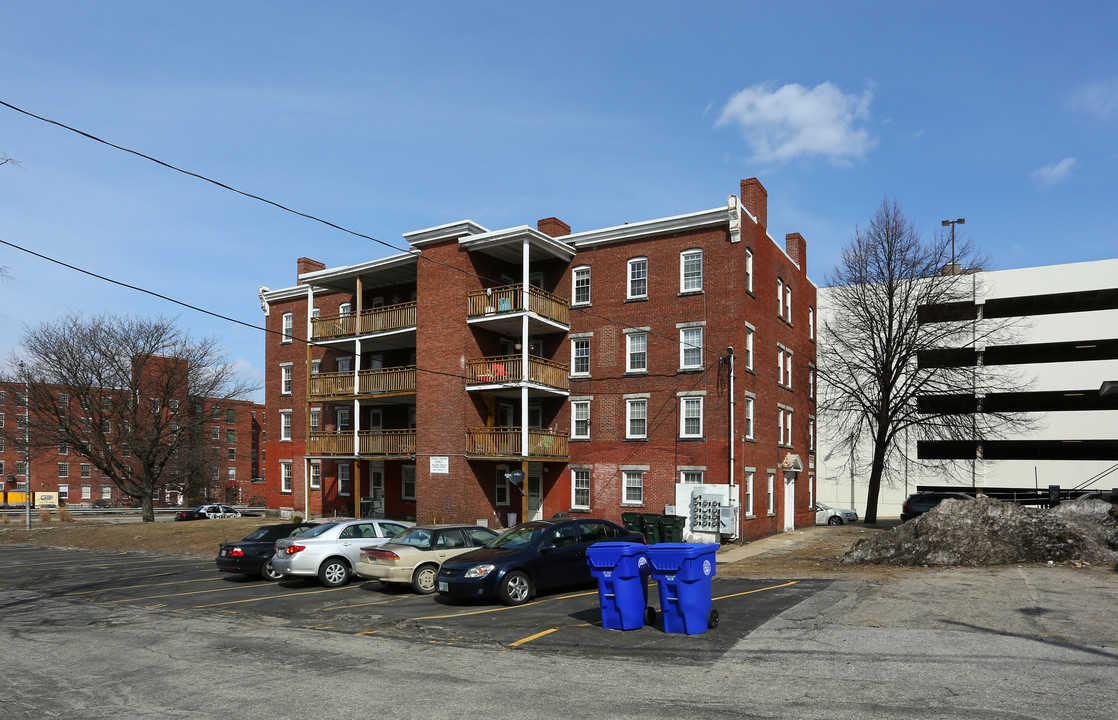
480, 571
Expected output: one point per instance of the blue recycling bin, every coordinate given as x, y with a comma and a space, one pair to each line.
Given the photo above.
683, 573
622, 572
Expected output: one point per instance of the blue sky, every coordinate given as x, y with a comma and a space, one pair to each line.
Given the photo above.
391, 117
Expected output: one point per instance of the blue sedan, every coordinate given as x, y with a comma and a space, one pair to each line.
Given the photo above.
532, 556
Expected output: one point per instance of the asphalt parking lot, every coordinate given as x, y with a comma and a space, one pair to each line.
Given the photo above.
566, 623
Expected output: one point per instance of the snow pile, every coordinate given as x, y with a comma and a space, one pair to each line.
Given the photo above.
990, 532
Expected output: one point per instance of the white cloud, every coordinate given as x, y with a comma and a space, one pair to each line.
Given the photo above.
793, 121
1054, 172
1099, 99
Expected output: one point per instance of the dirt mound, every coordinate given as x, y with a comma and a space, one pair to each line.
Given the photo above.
985, 532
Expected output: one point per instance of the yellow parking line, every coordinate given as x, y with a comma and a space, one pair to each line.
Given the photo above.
750, 592
258, 599
530, 638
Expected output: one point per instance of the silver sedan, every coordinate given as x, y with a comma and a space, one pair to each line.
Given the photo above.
330, 552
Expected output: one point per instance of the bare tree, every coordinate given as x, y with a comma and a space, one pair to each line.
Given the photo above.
132, 395
870, 337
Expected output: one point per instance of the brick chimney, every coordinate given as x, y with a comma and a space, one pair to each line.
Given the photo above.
306, 265
553, 227
755, 198
796, 247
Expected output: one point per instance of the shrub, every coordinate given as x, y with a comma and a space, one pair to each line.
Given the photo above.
44, 515
64, 515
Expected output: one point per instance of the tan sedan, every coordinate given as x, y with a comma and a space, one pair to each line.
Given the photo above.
414, 557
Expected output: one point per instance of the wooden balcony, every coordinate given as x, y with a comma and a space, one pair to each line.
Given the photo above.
510, 299
344, 325
382, 381
507, 369
369, 442
505, 443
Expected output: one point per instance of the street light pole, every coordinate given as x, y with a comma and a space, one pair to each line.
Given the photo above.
953, 223
26, 445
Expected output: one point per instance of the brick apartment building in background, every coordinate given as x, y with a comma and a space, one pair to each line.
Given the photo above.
619, 370
232, 437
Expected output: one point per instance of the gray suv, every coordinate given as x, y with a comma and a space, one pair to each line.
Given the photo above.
921, 503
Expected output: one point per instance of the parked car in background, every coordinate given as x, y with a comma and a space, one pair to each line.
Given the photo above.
827, 515
532, 556
330, 552
414, 556
252, 555
920, 503
205, 512
102, 503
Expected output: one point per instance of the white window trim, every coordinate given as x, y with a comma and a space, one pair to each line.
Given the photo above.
629, 295
749, 497
682, 276
685, 345
575, 505
629, 335
287, 378
288, 428
343, 491
629, 402
574, 342
625, 470
287, 328
580, 403
750, 331
501, 482
685, 402
750, 419
574, 285
749, 271
770, 503
287, 476
315, 479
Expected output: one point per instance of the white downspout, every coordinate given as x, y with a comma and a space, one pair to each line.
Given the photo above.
524, 303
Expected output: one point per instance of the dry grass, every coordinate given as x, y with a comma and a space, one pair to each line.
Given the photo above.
198, 538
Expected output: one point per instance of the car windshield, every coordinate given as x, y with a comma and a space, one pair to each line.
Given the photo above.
262, 534
415, 537
517, 538
315, 532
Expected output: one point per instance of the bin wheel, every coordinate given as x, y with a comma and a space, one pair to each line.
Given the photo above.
650, 615
712, 619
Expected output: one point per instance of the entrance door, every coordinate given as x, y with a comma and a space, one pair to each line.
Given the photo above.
789, 500
373, 504
535, 495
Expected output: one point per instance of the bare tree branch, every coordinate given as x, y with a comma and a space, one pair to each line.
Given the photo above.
870, 338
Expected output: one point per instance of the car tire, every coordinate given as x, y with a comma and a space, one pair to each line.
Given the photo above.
423, 579
834, 520
515, 589
333, 573
268, 572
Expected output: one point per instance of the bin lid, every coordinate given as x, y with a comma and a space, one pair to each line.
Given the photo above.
671, 556
606, 554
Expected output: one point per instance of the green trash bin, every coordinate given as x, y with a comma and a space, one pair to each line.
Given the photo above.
632, 522
651, 528
671, 528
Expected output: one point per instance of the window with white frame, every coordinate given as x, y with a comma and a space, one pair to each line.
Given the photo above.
690, 348
342, 416
580, 278
811, 433
21, 469
810, 322
215, 433
580, 419
287, 327
638, 278
749, 332
749, 492
63, 491
106, 426
580, 489
314, 420
173, 406
691, 477
780, 298
285, 476
345, 364
501, 492
749, 270
691, 417
63, 448
636, 418
780, 425
788, 369
788, 303
63, 469
749, 400
231, 475
691, 271
345, 308
345, 482
407, 482
634, 487
285, 425
285, 379
106, 492
87, 470
770, 503
811, 491
636, 352
316, 366
811, 381
316, 475
580, 356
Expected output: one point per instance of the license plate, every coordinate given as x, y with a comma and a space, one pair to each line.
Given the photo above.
224, 553
443, 587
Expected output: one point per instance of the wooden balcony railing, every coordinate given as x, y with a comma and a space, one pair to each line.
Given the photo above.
389, 317
369, 442
509, 298
369, 382
505, 442
507, 368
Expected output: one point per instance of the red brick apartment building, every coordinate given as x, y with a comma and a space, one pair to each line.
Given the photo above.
232, 437
618, 370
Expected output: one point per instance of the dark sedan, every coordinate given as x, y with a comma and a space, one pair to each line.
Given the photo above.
252, 556
920, 503
530, 557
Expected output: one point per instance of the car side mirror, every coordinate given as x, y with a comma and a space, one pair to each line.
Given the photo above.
547, 547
